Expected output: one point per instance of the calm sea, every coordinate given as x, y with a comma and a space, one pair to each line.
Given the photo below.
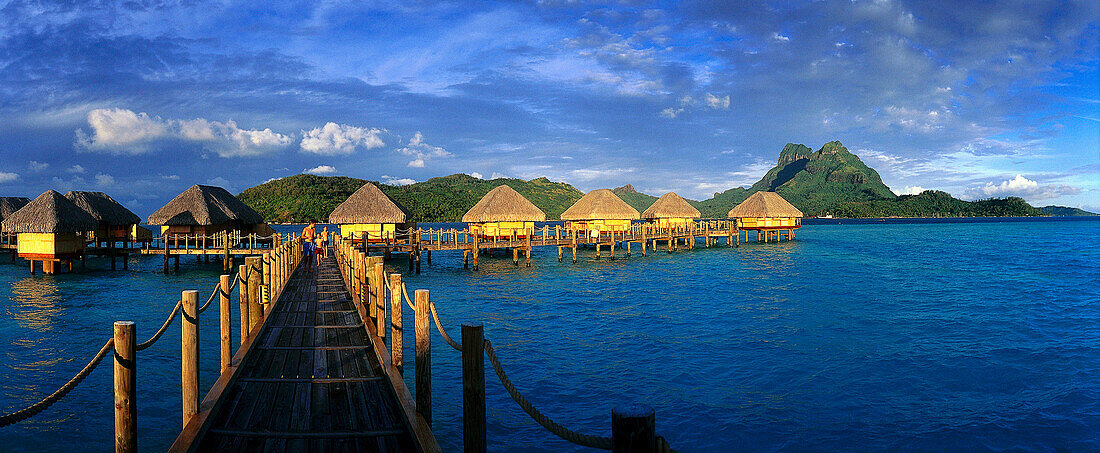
865, 336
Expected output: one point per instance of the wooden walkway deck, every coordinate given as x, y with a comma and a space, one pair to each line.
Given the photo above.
311, 382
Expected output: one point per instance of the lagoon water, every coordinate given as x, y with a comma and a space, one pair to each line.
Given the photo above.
865, 336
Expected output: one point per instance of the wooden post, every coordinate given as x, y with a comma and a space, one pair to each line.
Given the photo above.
473, 388
255, 282
380, 298
465, 258
515, 256
189, 370
241, 272
632, 429
423, 331
265, 291
125, 386
397, 356
226, 324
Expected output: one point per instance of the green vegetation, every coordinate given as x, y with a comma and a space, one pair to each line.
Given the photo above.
830, 180
635, 199
1062, 211
444, 199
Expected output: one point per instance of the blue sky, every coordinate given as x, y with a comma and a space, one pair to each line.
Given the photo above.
143, 99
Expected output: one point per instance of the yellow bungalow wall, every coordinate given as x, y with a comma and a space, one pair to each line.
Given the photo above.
768, 222
49, 245
501, 229
673, 222
373, 231
603, 226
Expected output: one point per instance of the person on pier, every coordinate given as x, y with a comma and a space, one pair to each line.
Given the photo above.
321, 244
309, 236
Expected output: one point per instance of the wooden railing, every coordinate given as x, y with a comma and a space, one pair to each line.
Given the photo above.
257, 280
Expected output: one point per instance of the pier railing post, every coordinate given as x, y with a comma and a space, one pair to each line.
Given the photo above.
632, 429
242, 272
397, 355
266, 288
189, 370
255, 281
226, 323
380, 299
473, 388
423, 331
125, 384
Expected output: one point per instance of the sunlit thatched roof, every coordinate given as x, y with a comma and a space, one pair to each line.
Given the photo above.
8, 205
600, 204
368, 205
51, 212
504, 204
670, 205
764, 204
204, 205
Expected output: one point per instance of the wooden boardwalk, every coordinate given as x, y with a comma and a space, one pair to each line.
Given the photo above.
311, 382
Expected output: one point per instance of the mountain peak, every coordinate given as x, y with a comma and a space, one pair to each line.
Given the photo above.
834, 147
792, 152
629, 188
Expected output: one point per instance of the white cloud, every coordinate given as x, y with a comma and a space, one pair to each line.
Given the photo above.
394, 181
321, 170
35, 165
218, 181
8, 177
497, 175
333, 139
422, 150
104, 180
716, 102
780, 38
476, 175
121, 131
909, 190
75, 169
671, 113
124, 132
586, 174
1022, 187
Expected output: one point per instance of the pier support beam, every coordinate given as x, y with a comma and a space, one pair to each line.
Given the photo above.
189, 369
423, 359
633, 429
473, 388
397, 353
125, 386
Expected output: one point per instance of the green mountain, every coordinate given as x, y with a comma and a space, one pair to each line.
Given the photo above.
635, 199
443, 199
830, 180
1064, 211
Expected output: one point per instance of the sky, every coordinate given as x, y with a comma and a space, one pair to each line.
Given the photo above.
142, 99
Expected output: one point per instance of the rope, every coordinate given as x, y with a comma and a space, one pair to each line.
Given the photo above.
558, 430
408, 301
34, 409
217, 290
439, 326
156, 336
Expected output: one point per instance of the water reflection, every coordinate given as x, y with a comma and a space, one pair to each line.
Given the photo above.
37, 303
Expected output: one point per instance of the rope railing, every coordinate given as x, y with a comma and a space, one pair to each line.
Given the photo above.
557, 429
442, 331
41, 405
156, 336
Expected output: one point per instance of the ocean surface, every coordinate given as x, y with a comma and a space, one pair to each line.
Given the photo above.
881, 335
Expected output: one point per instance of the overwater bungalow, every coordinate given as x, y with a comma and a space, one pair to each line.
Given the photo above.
599, 212
502, 213
371, 215
670, 211
207, 210
116, 223
50, 229
767, 212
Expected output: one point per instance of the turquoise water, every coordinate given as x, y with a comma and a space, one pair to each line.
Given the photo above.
868, 336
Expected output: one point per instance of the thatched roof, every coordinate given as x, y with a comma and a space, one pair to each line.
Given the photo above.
764, 204
51, 212
8, 205
670, 205
504, 204
600, 204
368, 205
205, 206
103, 208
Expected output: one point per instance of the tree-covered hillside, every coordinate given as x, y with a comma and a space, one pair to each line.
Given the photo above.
635, 199
444, 199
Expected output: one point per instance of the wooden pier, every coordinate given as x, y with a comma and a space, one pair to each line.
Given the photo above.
312, 380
